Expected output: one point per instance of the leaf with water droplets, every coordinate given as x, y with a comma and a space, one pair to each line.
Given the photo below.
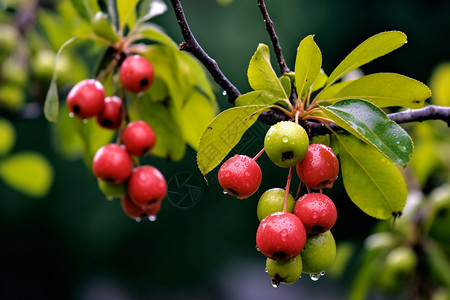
372, 182
223, 133
370, 124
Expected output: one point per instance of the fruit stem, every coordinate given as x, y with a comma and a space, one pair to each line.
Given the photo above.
259, 154
288, 184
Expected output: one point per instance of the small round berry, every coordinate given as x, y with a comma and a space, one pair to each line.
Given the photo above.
139, 138
273, 201
137, 212
240, 176
111, 115
319, 253
316, 211
280, 236
284, 271
112, 163
86, 99
286, 143
146, 186
320, 167
136, 73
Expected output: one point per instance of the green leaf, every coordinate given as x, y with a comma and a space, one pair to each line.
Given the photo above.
372, 182
385, 89
439, 84
372, 48
27, 172
155, 34
255, 98
439, 264
126, 11
331, 91
261, 75
320, 81
51, 105
370, 124
286, 83
169, 138
7, 136
223, 133
86, 8
149, 9
307, 64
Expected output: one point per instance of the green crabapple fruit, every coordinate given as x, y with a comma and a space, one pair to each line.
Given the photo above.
86, 99
284, 271
316, 211
281, 236
273, 201
320, 167
112, 163
319, 253
111, 115
398, 268
146, 186
137, 212
138, 138
240, 176
286, 143
136, 73
440, 207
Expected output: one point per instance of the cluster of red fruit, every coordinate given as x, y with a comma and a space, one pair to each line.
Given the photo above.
294, 235
142, 187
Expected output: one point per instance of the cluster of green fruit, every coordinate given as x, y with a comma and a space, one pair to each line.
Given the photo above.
294, 235
142, 188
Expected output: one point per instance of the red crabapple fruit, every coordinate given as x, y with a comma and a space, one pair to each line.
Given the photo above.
146, 186
111, 115
316, 211
112, 163
86, 99
136, 73
138, 138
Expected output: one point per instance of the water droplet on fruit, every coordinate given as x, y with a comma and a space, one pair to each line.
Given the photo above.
85, 121
71, 115
323, 212
227, 174
315, 214
152, 218
224, 93
137, 219
243, 159
247, 173
327, 164
236, 164
285, 139
314, 277
266, 270
284, 234
275, 284
322, 273
257, 249
225, 192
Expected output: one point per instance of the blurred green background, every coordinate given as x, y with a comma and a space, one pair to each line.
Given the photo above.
75, 244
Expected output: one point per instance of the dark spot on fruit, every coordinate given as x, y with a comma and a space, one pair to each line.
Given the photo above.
287, 155
145, 150
442, 213
232, 192
106, 122
151, 201
416, 101
276, 280
76, 109
279, 255
109, 179
316, 229
143, 215
324, 184
143, 83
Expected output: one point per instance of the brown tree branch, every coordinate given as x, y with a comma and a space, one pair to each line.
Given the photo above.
273, 37
191, 45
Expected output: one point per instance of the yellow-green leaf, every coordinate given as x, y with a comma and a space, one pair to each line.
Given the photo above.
372, 48
307, 64
261, 75
223, 133
255, 98
384, 90
439, 84
372, 182
7, 136
126, 11
27, 172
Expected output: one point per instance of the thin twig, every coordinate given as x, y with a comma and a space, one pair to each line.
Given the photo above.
191, 45
273, 37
